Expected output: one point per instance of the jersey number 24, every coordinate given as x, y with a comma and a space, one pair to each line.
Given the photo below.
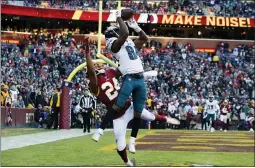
110, 90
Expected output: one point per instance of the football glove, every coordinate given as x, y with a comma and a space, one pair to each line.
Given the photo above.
133, 24
118, 13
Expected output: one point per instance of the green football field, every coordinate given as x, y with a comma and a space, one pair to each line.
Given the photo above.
154, 148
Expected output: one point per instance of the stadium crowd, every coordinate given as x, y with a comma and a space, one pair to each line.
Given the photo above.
33, 70
226, 8
186, 78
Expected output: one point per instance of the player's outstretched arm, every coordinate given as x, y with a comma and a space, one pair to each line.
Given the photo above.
205, 108
143, 38
117, 73
123, 33
93, 86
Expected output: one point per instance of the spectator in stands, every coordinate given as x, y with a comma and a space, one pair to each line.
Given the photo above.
235, 8
183, 117
26, 98
40, 100
4, 94
40, 116
14, 93
19, 103
149, 103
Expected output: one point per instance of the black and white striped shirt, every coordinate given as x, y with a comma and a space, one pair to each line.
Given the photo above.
87, 102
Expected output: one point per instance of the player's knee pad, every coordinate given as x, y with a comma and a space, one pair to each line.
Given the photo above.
146, 115
121, 144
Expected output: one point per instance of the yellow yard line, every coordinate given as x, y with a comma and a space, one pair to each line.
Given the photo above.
192, 147
145, 143
222, 137
191, 140
113, 146
197, 143
139, 136
151, 132
208, 140
209, 134
200, 131
109, 147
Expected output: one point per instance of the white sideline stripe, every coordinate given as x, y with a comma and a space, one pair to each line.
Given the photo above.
20, 141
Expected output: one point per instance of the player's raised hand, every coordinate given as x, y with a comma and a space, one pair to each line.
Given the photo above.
86, 45
133, 24
118, 13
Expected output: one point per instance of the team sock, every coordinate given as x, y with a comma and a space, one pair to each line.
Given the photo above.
249, 125
135, 127
225, 126
160, 118
212, 124
108, 117
146, 115
123, 155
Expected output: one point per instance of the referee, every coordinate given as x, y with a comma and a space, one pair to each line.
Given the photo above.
86, 103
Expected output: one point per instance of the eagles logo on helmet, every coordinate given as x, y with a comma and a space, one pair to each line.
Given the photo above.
112, 32
211, 97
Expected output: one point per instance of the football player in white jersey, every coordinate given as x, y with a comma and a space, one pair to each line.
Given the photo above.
251, 116
212, 108
130, 67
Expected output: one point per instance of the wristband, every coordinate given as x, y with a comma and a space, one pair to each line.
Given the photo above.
87, 52
137, 29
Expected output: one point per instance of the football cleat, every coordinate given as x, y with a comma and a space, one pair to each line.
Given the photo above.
131, 145
212, 129
173, 121
134, 162
131, 163
96, 136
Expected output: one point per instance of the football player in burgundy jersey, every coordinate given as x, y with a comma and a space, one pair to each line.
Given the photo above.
104, 84
251, 115
224, 110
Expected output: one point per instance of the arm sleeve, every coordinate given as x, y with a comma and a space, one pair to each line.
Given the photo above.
217, 107
205, 108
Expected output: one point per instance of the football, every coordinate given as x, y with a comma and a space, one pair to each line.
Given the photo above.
126, 14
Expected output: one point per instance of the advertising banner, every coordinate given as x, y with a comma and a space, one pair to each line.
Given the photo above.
146, 18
